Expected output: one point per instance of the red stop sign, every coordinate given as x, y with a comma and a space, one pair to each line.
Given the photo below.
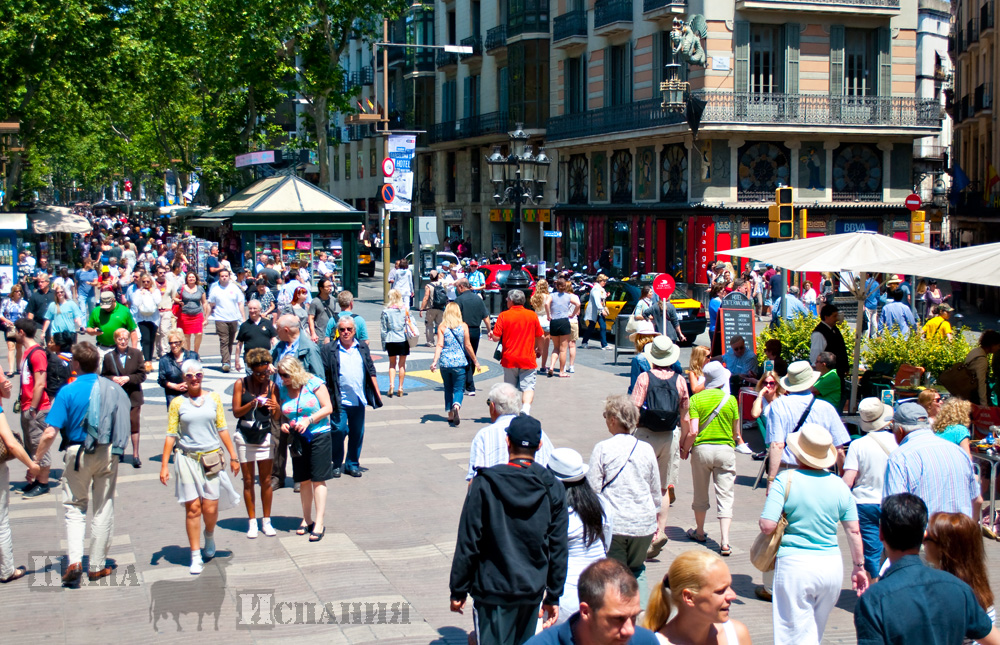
913, 202
664, 285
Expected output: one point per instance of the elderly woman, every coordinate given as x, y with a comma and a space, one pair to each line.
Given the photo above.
393, 327
711, 443
196, 426
169, 374
8, 572
255, 405
624, 473
692, 603
125, 366
305, 415
808, 569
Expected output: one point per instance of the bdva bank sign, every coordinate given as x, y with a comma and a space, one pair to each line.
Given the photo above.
852, 226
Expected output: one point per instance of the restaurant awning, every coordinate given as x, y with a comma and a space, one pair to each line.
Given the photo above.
56, 219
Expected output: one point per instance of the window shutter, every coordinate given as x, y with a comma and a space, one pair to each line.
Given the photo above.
658, 62
568, 84
607, 76
837, 60
742, 78
467, 96
627, 88
884, 62
503, 81
792, 58
477, 107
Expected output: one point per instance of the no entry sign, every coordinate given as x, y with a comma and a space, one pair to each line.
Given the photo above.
913, 202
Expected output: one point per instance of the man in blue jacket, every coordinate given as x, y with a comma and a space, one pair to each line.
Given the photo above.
511, 553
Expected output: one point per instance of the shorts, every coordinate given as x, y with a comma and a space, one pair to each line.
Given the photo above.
560, 327
316, 462
574, 326
398, 349
522, 379
31, 432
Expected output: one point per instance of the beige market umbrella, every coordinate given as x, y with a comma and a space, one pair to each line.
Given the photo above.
976, 264
859, 252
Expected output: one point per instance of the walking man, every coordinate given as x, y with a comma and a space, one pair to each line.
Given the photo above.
520, 334
322, 310
167, 292
489, 446
225, 306
35, 402
433, 304
474, 314
93, 416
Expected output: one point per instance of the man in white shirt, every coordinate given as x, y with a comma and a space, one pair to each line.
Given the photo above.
324, 268
225, 303
489, 447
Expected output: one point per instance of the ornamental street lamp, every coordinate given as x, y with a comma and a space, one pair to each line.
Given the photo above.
518, 178
674, 90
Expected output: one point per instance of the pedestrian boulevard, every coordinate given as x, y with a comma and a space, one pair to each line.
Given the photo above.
381, 572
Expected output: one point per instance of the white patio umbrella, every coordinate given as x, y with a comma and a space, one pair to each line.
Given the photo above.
859, 252
976, 264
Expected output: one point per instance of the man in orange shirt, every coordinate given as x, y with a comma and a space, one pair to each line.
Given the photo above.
520, 334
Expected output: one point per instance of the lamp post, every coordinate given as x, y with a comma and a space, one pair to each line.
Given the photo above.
518, 178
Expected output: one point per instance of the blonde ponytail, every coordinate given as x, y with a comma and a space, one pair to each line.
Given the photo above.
657, 609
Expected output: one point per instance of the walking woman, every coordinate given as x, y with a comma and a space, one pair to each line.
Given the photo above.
538, 305
146, 312
196, 425
169, 375
393, 326
13, 447
193, 305
298, 308
700, 588
11, 311
403, 282
125, 366
596, 311
453, 350
255, 405
560, 309
63, 315
305, 415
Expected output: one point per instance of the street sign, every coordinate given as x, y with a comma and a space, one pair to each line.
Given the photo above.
913, 202
552, 233
664, 285
388, 193
388, 166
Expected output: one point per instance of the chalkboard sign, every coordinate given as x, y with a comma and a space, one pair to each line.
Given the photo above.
737, 318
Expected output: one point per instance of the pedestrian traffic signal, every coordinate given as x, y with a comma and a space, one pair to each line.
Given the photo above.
917, 227
781, 214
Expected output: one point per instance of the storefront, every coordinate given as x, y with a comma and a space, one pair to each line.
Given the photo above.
12, 229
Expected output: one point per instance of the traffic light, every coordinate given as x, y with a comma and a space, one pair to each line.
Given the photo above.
781, 214
917, 227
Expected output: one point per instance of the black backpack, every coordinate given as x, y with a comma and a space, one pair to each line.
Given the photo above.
57, 374
440, 297
661, 409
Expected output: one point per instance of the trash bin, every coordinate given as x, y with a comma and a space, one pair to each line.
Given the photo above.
622, 344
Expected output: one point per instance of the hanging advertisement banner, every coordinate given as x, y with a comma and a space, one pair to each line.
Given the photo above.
401, 151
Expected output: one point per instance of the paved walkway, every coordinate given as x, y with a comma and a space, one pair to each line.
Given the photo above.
380, 573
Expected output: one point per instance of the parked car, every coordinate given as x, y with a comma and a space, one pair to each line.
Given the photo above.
623, 296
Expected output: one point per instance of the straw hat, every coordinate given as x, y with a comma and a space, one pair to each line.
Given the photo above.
894, 279
800, 377
874, 414
662, 352
813, 446
643, 328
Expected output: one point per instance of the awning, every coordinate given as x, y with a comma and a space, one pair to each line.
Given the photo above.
13, 221
54, 219
428, 238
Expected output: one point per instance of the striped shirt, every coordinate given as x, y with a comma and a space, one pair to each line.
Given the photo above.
784, 413
935, 470
489, 447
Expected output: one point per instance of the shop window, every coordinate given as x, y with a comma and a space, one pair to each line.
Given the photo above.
621, 245
576, 241
304, 249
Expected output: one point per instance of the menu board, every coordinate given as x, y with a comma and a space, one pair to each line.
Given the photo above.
737, 318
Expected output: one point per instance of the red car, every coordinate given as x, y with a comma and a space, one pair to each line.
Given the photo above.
496, 277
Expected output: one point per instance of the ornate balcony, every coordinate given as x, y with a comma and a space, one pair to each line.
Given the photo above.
867, 7
612, 17
367, 75
663, 9
496, 38
476, 42
446, 59
847, 196
474, 126
814, 111
570, 29
351, 81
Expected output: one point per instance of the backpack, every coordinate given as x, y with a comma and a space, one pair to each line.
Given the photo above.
57, 374
661, 409
440, 297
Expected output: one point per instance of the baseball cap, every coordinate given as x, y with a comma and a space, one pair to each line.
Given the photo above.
107, 300
525, 431
910, 414
945, 308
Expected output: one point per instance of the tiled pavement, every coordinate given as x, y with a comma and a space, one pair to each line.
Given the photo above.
381, 572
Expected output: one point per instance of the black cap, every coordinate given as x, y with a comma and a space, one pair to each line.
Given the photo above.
525, 431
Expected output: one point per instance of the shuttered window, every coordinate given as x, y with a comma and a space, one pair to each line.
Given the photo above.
884, 62
742, 73
837, 60
618, 75
792, 58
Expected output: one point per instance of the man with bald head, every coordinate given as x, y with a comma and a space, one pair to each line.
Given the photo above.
290, 343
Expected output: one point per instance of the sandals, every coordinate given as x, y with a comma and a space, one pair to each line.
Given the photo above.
725, 550
316, 537
305, 528
17, 575
693, 535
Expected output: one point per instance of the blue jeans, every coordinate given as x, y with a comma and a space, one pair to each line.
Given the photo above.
604, 333
454, 385
868, 519
350, 424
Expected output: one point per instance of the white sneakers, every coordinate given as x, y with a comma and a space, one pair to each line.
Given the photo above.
197, 566
744, 449
252, 531
265, 526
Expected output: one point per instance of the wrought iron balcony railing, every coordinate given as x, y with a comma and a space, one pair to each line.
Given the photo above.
351, 80
849, 196
445, 59
983, 97
652, 5
367, 75
473, 126
572, 23
476, 42
609, 11
884, 4
986, 16
496, 38
745, 107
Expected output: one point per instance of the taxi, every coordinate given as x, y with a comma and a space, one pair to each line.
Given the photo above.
366, 261
623, 296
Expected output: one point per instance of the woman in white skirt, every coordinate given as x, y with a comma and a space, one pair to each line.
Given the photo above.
196, 423
255, 405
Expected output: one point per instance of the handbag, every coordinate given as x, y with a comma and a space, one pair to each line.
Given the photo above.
764, 550
254, 428
409, 329
960, 380
211, 463
6, 454
498, 353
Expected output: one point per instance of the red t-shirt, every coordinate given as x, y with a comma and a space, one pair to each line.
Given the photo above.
39, 363
518, 328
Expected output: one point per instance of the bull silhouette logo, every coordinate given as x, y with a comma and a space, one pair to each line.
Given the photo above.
202, 595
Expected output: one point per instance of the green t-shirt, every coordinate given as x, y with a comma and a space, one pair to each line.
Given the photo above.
828, 387
720, 430
109, 322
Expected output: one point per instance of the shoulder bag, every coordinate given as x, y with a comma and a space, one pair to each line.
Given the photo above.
409, 329
764, 550
620, 470
960, 380
253, 426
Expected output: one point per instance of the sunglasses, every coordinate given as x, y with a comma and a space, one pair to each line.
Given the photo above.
283, 375
176, 343
195, 377
345, 330
770, 384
